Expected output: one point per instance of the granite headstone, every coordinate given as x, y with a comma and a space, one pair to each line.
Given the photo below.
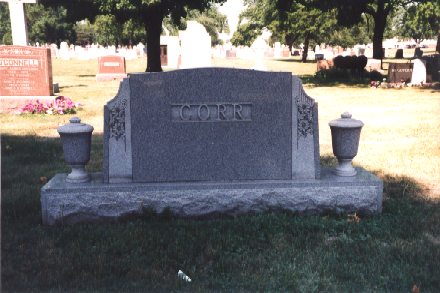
199, 125
419, 71
25, 71
209, 141
111, 67
400, 72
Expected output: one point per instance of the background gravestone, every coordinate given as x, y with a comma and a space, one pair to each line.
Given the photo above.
400, 72
110, 68
25, 71
195, 45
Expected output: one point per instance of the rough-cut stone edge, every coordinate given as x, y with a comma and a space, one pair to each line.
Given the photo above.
305, 131
117, 161
64, 203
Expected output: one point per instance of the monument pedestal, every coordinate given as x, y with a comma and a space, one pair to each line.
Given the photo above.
66, 203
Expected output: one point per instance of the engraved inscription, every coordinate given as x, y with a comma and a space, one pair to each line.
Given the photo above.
211, 112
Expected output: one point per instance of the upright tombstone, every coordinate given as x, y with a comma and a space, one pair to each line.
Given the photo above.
110, 68
432, 67
400, 72
195, 45
197, 125
209, 141
25, 71
419, 71
18, 21
26, 75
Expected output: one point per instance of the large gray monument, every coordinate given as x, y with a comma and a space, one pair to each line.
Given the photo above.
207, 141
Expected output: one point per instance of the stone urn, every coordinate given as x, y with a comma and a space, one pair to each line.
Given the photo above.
76, 138
345, 141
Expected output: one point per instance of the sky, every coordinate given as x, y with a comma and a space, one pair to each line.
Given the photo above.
232, 9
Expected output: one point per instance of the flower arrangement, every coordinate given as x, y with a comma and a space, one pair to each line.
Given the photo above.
61, 105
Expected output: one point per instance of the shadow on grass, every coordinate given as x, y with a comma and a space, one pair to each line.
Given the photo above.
86, 75
295, 60
70, 86
273, 251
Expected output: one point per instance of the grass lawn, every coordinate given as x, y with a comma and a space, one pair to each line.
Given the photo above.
394, 251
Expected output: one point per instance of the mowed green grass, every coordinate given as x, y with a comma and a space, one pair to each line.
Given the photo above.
394, 251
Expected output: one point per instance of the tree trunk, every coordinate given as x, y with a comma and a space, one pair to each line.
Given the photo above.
153, 26
437, 48
305, 49
380, 18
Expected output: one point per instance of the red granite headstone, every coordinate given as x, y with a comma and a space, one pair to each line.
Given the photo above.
110, 68
25, 71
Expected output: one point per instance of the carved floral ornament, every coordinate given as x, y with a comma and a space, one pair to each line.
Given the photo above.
117, 120
305, 120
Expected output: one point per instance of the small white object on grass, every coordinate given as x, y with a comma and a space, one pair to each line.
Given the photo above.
183, 276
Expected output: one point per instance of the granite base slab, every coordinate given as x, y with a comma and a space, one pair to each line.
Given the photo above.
67, 203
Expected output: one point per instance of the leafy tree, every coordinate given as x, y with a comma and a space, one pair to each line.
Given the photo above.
45, 25
290, 21
350, 12
349, 36
212, 20
132, 32
422, 21
85, 33
148, 12
305, 23
246, 34
107, 29
48, 25
5, 24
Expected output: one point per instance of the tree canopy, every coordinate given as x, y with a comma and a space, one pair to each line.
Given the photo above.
421, 21
295, 23
350, 12
150, 13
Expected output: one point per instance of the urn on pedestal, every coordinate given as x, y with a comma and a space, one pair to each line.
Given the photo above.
76, 138
345, 141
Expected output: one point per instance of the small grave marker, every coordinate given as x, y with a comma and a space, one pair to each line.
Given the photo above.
110, 68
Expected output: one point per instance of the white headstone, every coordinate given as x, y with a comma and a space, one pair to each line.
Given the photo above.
259, 46
18, 21
195, 46
419, 71
64, 53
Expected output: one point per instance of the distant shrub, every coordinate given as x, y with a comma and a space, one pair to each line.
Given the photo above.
343, 75
375, 75
361, 62
338, 61
352, 63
